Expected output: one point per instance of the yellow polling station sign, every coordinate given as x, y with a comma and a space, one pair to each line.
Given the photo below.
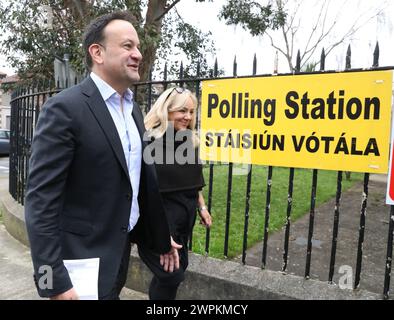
332, 121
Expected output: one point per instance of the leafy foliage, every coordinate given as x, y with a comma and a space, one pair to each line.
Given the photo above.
35, 40
36, 31
184, 43
253, 16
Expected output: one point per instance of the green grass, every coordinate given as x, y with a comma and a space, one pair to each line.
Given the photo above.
326, 189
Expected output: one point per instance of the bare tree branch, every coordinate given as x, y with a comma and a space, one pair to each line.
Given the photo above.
320, 30
168, 8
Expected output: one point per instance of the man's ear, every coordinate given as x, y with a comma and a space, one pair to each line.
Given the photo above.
95, 51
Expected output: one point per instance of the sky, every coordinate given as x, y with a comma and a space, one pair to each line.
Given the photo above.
4, 67
233, 41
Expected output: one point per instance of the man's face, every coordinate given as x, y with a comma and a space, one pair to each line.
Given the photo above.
120, 54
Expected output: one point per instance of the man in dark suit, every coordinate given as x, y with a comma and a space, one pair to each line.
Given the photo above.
89, 193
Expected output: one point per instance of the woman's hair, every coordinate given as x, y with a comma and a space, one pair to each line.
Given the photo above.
172, 99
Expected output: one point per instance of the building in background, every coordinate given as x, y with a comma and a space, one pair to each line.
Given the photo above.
5, 99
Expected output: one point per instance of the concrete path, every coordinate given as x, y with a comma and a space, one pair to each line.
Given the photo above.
16, 272
16, 269
375, 239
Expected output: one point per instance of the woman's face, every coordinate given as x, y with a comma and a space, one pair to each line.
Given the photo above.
182, 117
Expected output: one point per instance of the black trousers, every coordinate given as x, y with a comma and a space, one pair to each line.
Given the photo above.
181, 214
122, 274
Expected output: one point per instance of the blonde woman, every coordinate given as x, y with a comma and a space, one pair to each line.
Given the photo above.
171, 125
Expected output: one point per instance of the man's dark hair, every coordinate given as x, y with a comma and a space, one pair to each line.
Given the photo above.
94, 32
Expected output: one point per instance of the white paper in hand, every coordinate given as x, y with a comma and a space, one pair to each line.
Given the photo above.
84, 277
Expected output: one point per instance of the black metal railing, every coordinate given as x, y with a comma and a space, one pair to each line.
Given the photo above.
25, 107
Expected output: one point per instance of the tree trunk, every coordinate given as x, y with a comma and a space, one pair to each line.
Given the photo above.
152, 31
80, 9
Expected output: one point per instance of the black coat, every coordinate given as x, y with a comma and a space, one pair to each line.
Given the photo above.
79, 194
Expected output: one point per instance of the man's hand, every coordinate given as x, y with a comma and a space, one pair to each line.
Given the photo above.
170, 260
68, 295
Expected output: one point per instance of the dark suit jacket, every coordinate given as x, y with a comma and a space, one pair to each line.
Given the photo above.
79, 194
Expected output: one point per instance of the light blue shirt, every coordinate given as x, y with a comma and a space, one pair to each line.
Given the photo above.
128, 134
